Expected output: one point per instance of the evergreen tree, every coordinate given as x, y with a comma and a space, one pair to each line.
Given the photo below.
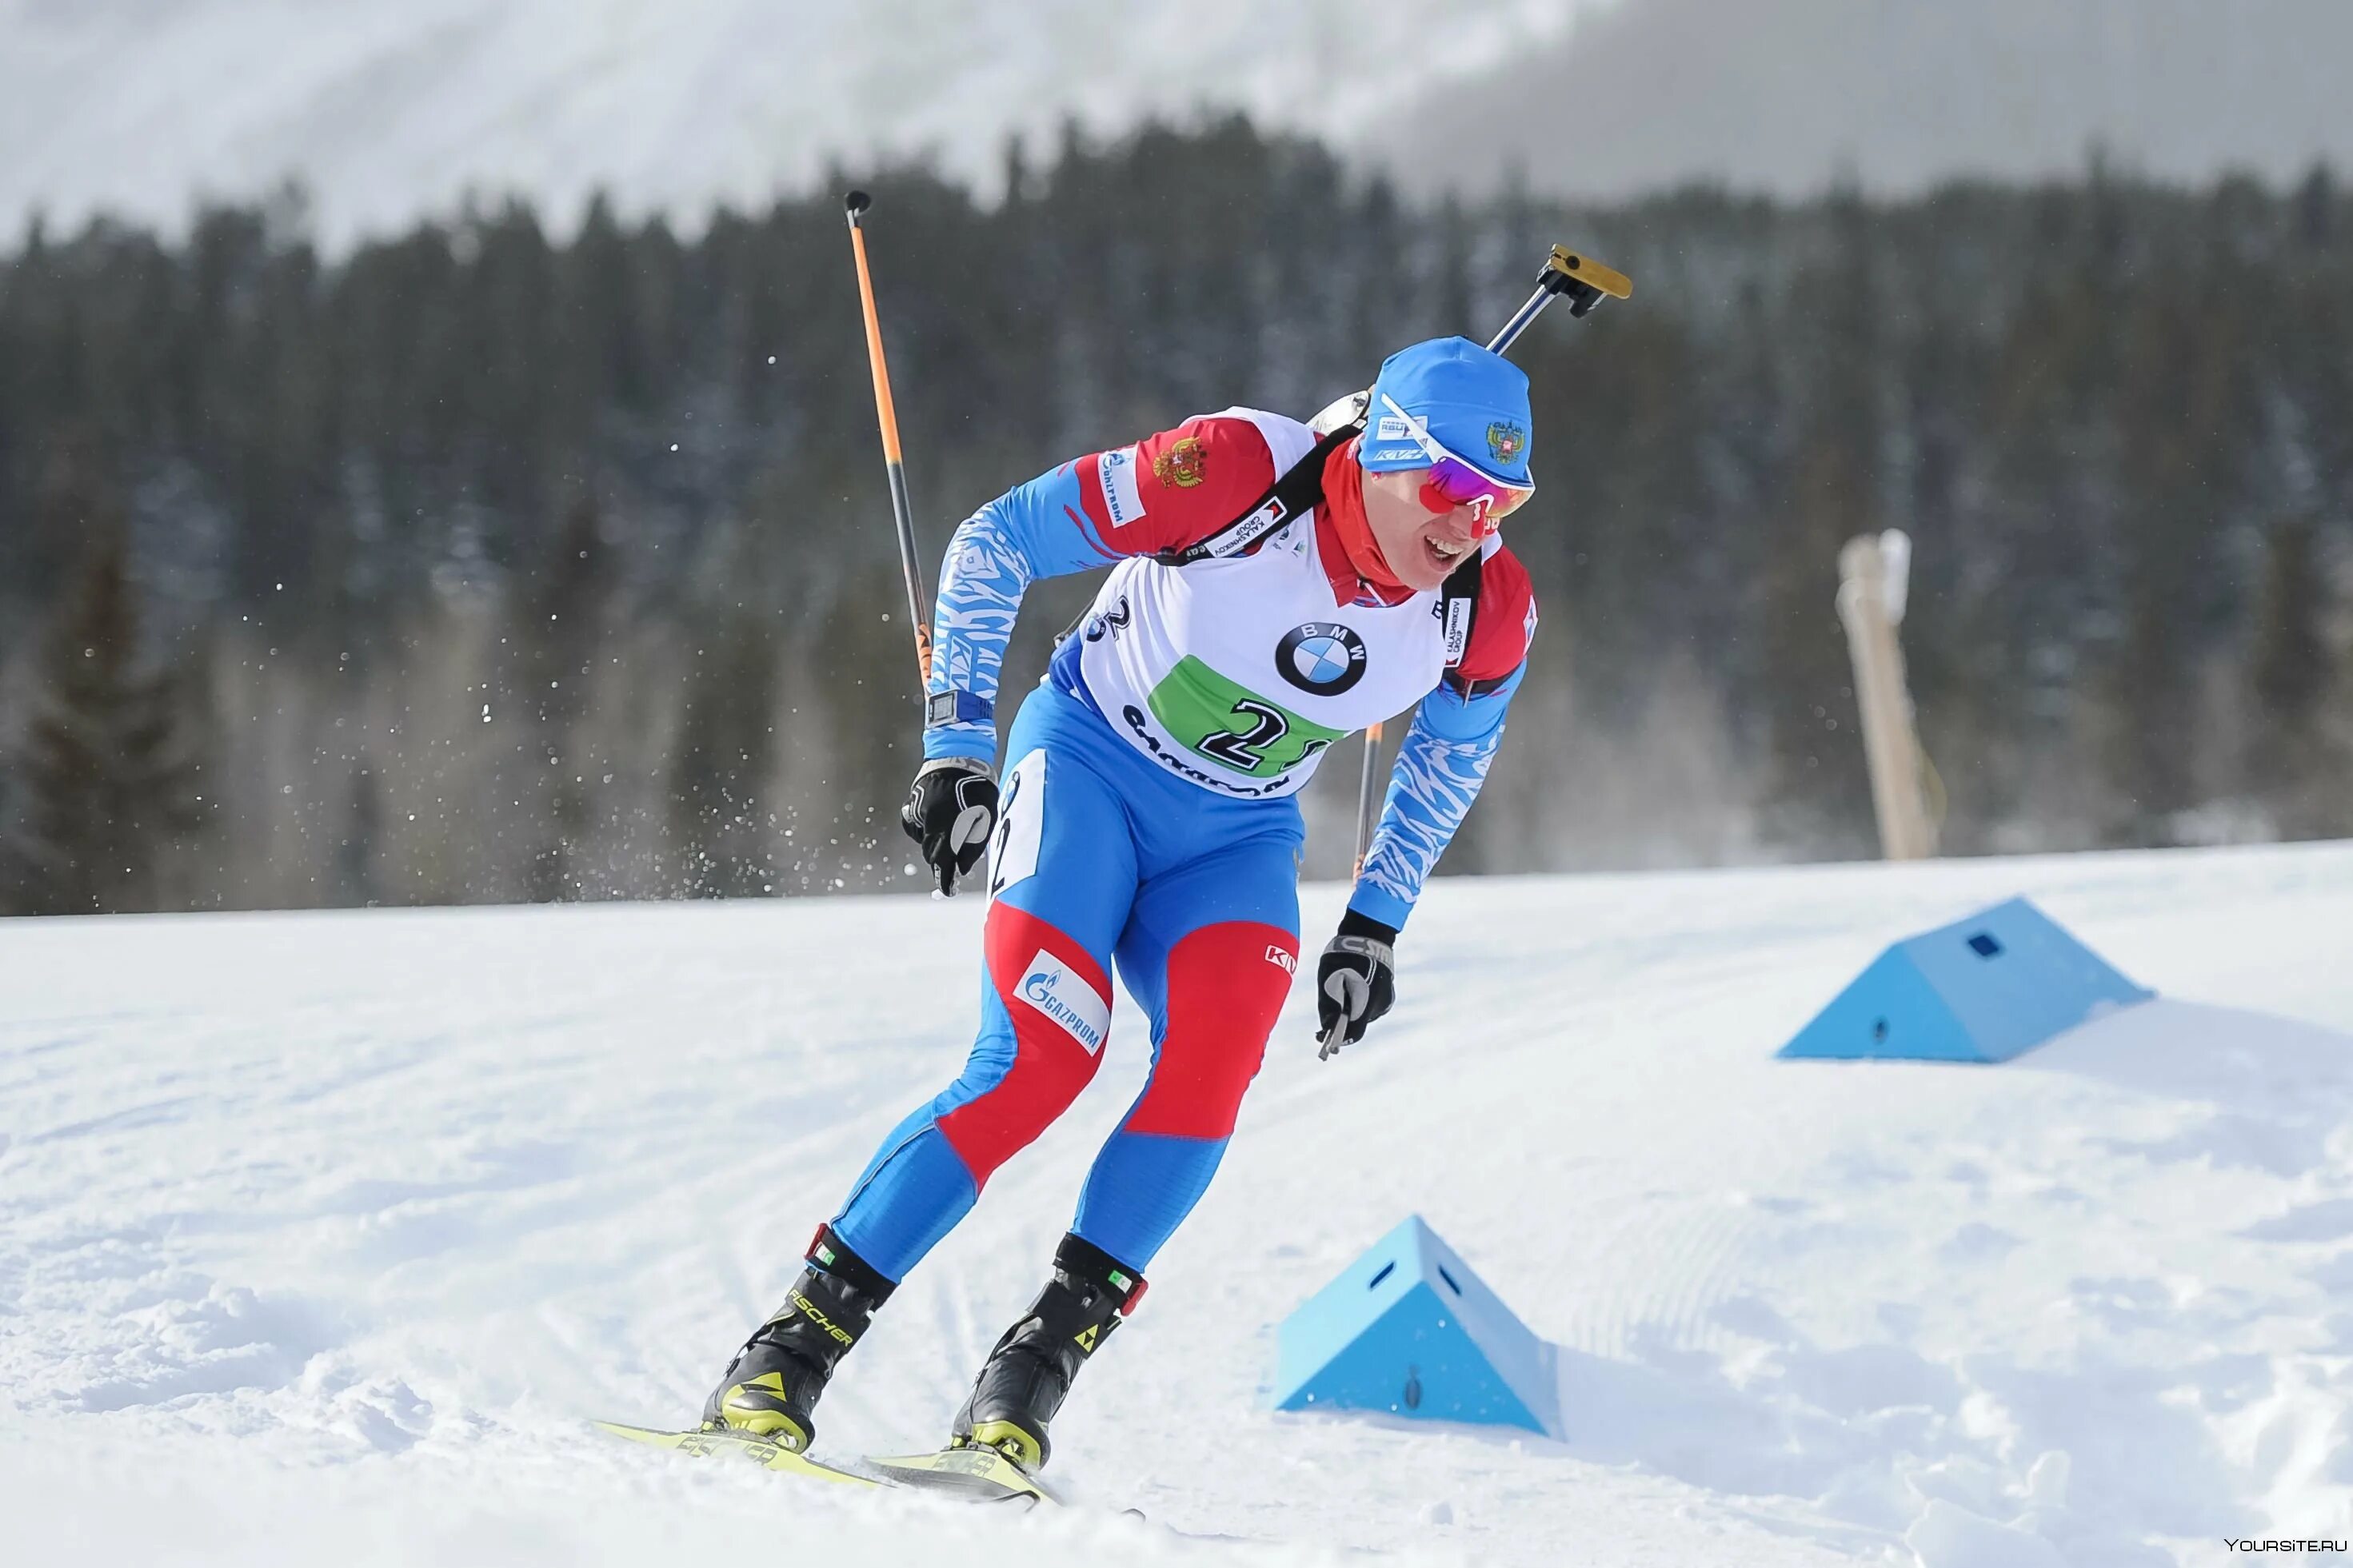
717, 828
109, 783
2177, 456
2291, 674
357, 880
2290, 665
565, 621
1822, 794
2087, 400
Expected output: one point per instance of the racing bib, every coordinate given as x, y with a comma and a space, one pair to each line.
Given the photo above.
1232, 726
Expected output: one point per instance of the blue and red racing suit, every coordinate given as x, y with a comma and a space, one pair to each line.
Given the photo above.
1148, 817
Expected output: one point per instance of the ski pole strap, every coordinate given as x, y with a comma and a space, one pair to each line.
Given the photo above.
1297, 490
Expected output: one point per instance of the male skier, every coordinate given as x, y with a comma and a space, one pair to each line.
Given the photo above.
1272, 593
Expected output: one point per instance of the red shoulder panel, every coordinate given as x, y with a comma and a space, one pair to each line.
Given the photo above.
1504, 623
1178, 488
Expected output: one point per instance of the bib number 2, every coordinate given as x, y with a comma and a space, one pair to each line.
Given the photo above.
1247, 748
1233, 726
1020, 824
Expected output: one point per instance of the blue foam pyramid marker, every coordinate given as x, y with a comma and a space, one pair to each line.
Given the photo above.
1979, 990
1408, 1330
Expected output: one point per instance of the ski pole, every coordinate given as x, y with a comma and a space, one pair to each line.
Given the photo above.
1365, 797
885, 414
1586, 283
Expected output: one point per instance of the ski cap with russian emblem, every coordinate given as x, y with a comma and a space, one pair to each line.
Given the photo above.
1473, 402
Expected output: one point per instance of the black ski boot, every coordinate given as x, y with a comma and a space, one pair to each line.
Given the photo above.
773, 1384
1027, 1375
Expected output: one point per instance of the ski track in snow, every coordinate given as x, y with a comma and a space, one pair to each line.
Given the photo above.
329, 1231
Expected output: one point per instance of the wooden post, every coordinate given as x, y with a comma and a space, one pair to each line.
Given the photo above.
1872, 574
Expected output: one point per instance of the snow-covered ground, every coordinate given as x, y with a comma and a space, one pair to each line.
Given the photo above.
321, 1235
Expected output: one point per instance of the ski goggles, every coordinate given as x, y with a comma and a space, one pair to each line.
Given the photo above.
1452, 483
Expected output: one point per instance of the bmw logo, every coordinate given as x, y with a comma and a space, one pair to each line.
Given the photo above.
1322, 658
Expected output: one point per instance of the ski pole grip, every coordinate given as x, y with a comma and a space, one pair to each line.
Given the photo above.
1586, 282
1568, 275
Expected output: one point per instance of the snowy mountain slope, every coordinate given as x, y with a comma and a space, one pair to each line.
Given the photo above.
388, 111
328, 1230
1891, 96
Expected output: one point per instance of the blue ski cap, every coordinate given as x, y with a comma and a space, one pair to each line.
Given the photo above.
1473, 403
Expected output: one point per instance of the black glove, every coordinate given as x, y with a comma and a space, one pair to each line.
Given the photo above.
1356, 981
951, 810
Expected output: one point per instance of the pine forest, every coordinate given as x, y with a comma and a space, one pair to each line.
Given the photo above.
537, 556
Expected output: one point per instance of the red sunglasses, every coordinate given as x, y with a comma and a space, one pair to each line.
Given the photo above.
1454, 483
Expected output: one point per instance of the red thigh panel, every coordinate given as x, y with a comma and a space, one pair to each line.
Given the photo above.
1225, 984
1060, 1001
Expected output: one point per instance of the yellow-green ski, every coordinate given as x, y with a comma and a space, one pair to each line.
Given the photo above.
759, 1451
978, 1474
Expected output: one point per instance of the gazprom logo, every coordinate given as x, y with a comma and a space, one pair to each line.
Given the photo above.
1056, 990
1122, 499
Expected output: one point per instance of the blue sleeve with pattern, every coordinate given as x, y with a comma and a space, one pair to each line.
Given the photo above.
1036, 530
1440, 765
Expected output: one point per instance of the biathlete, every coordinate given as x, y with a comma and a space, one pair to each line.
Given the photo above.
1272, 592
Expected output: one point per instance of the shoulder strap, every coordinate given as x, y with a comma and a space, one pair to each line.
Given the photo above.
1296, 490
1299, 490
1458, 605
